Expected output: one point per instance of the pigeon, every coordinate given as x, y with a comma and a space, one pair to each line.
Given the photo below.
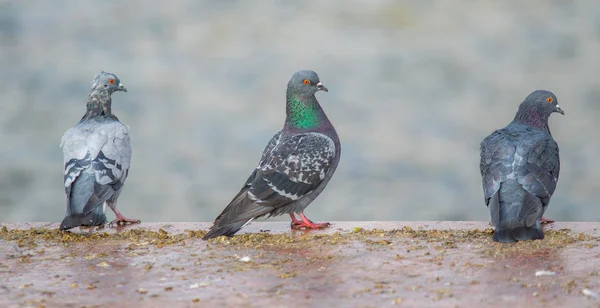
97, 153
519, 168
295, 166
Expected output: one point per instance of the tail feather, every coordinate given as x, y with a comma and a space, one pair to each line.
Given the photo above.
241, 211
517, 214
518, 234
85, 202
96, 217
227, 230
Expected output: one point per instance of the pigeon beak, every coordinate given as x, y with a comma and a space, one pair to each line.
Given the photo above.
321, 87
559, 110
121, 88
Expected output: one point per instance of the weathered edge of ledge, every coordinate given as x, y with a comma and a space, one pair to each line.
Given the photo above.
368, 269
590, 228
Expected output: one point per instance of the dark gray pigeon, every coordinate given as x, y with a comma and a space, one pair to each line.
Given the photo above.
294, 168
519, 166
96, 153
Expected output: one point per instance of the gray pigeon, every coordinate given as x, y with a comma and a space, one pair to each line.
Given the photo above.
519, 166
96, 157
294, 168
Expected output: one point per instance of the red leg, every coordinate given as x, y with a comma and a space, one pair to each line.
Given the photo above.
307, 223
120, 219
296, 224
546, 221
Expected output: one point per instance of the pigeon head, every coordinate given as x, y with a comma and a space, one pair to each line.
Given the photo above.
107, 82
537, 108
305, 83
544, 101
303, 110
99, 100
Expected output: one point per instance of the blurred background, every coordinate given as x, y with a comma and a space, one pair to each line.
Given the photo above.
414, 86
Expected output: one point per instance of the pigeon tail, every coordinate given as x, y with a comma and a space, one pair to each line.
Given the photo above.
227, 230
518, 234
97, 217
86, 202
241, 211
518, 214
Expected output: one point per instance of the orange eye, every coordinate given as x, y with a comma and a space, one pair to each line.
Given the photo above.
549, 99
306, 81
111, 81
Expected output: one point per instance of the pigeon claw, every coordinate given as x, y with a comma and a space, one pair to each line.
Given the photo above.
306, 224
546, 221
123, 221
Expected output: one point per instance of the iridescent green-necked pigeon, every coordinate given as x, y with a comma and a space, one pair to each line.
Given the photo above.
294, 168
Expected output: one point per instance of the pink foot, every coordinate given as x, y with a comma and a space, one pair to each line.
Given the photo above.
546, 221
122, 220
295, 222
306, 223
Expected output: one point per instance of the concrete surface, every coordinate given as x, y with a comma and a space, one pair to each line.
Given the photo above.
351, 264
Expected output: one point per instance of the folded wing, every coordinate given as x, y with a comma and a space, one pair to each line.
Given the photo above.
96, 161
290, 168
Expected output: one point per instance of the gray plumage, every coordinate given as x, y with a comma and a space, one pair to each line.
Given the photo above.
519, 168
97, 154
295, 166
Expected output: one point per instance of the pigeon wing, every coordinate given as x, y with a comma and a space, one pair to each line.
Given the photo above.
538, 174
293, 169
102, 149
530, 157
290, 167
497, 156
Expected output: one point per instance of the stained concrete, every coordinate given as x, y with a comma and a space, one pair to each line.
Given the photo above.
358, 264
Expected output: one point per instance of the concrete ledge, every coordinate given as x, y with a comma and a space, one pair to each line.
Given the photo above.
361, 264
